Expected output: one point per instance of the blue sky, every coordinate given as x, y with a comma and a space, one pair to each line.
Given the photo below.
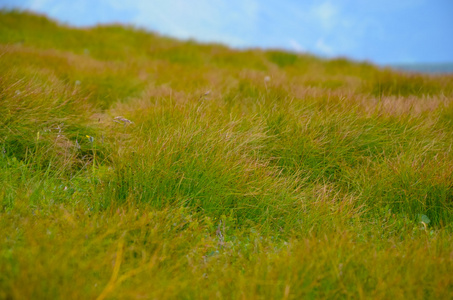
383, 32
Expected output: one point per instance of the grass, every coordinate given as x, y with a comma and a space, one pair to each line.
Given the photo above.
241, 174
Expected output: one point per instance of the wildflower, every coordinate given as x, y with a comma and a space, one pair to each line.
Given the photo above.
120, 119
60, 129
219, 233
204, 95
267, 79
90, 138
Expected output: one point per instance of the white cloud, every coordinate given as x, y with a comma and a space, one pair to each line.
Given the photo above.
231, 22
296, 46
38, 4
326, 14
323, 48
234, 22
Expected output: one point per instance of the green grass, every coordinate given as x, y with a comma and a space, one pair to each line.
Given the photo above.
243, 174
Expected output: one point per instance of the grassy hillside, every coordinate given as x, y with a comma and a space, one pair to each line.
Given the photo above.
138, 166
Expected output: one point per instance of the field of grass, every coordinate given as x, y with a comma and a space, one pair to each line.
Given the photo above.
135, 166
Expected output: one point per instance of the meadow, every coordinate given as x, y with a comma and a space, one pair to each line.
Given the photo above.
136, 166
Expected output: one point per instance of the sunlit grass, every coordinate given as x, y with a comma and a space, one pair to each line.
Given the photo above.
137, 166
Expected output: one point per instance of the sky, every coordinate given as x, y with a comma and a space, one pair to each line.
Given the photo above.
382, 32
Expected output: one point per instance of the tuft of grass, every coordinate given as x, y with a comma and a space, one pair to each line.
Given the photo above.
391, 83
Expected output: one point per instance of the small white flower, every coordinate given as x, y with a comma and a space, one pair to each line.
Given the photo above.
120, 119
